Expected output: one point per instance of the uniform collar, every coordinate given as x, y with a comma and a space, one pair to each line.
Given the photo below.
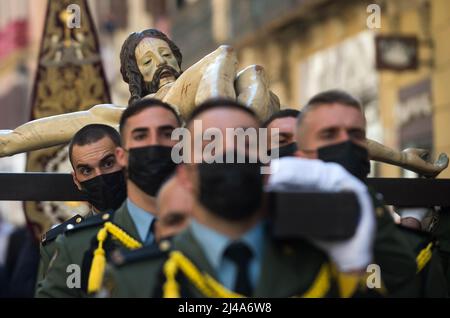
141, 219
214, 244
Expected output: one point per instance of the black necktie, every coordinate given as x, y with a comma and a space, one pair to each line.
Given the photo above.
241, 255
151, 231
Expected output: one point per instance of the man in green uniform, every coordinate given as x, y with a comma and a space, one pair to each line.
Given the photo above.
97, 173
332, 127
281, 126
77, 265
227, 249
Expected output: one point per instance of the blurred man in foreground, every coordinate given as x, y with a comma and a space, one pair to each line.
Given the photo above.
174, 205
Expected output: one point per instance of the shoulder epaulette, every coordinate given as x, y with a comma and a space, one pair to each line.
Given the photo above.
122, 257
61, 228
96, 220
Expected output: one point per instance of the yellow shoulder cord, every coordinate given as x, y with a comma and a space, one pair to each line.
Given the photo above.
211, 288
349, 284
170, 287
99, 260
424, 257
178, 261
321, 284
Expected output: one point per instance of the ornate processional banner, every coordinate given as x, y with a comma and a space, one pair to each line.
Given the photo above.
69, 77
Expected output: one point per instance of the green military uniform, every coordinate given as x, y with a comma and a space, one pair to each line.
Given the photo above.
48, 243
396, 252
287, 270
442, 234
429, 266
141, 273
48, 246
77, 246
394, 255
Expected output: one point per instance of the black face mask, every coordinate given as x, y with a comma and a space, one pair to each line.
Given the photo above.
149, 167
351, 156
107, 191
287, 150
232, 191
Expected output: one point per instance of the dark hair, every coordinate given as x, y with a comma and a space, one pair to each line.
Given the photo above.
328, 97
334, 96
220, 103
128, 65
288, 112
93, 133
141, 105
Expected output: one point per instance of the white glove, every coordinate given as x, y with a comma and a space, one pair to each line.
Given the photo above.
296, 174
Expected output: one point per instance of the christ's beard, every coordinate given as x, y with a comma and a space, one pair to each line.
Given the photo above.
153, 86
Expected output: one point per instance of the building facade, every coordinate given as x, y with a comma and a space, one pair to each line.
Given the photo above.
309, 46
